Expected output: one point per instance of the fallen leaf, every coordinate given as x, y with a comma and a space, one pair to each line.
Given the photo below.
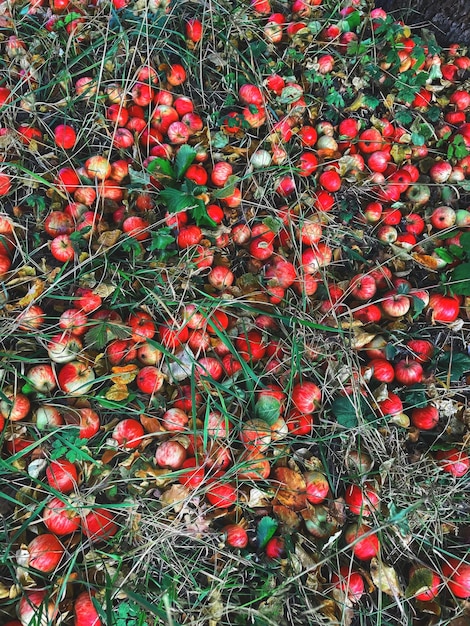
124, 374
32, 294
175, 497
385, 578
109, 239
427, 261
117, 393
288, 518
160, 477
108, 456
151, 424
258, 499
290, 488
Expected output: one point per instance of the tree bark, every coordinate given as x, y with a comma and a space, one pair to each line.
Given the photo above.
448, 19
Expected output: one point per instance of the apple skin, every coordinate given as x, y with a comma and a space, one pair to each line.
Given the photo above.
364, 549
425, 418
454, 461
61, 518
76, 378
458, 574
444, 308
408, 372
35, 609
99, 525
45, 553
84, 611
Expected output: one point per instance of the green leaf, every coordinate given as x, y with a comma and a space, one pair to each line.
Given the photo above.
139, 178
274, 224
444, 254
433, 114
266, 528
404, 117
458, 251
184, 157
228, 190
370, 101
161, 239
417, 139
465, 241
460, 277
268, 409
161, 169
353, 19
220, 140
420, 581
103, 332
176, 200
199, 212
345, 412
418, 305
457, 363
415, 396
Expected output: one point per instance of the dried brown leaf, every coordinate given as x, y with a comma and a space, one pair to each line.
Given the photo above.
287, 517
151, 424
427, 261
290, 488
108, 239
175, 497
124, 374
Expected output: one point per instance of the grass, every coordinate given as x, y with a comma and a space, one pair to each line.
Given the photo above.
169, 562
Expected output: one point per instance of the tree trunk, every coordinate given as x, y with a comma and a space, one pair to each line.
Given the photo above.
449, 19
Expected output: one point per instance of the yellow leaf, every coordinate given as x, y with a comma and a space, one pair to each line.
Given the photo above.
34, 292
385, 578
109, 239
104, 290
117, 393
124, 374
175, 497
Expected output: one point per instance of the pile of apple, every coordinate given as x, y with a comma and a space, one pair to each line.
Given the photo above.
277, 207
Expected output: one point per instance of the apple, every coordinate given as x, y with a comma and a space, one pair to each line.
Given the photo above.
64, 347
65, 136
46, 416
170, 454
150, 379
45, 553
408, 372
99, 524
128, 433
84, 611
454, 461
363, 540
445, 308
317, 486
349, 582
61, 518
14, 407
76, 378
235, 536
62, 475
430, 590
362, 500
221, 494
443, 217
457, 573
275, 548
425, 418
36, 609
